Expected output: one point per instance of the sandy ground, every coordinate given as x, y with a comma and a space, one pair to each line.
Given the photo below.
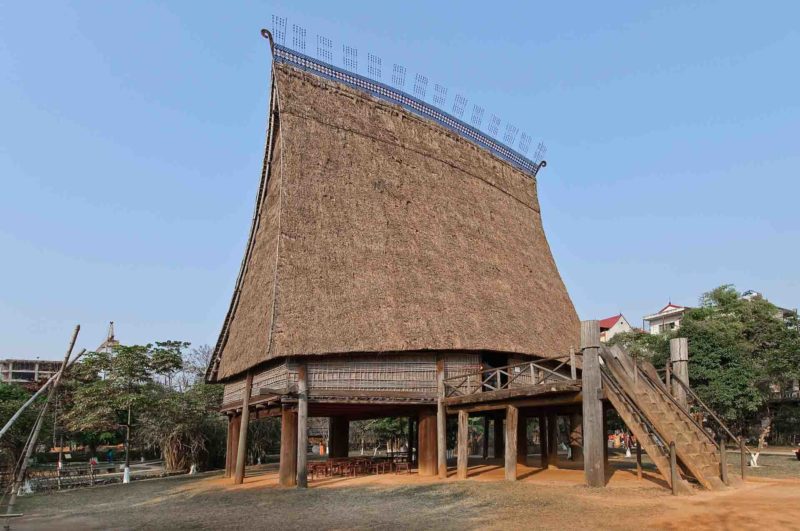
541, 499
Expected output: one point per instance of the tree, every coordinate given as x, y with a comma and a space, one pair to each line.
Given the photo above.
12, 444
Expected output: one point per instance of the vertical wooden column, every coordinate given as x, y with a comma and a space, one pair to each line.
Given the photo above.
638, 459
499, 445
543, 441
229, 448
552, 439
426, 451
486, 436
241, 452
463, 444
576, 436
441, 423
679, 355
410, 454
302, 427
522, 439
339, 436
233, 443
593, 435
512, 417
287, 474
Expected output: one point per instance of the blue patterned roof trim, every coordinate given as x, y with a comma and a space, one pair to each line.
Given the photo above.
281, 54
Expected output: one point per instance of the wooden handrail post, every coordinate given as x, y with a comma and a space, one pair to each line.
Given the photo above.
594, 438
723, 460
673, 468
668, 376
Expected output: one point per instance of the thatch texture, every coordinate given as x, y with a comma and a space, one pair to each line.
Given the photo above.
381, 232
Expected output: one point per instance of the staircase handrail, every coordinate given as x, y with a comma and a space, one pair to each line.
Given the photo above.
708, 410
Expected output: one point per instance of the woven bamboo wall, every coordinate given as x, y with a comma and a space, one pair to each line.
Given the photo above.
389, 372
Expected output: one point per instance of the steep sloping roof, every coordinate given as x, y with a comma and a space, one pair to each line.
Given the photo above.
379, 231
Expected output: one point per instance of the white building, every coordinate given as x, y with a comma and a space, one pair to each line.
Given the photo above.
666, 319
611, 326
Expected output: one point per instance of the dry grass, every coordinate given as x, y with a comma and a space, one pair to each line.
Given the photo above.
543, 500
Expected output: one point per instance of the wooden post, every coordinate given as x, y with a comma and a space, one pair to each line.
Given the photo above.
441, 423
576, 436
426, 451
742, 457
679, 356
229, 447
486, 436
287, 473
499, 445
302, 427
410, 455
463, 444
573, 370
638, 459
723, 460
552, 440
241, 452
673, 468
512, 417
593, 434
522, 439
338, 436
543, 451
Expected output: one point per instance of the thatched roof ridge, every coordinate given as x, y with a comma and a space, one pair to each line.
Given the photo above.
382, 231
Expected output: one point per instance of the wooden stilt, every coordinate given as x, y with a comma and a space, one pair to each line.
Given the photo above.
463, 444
339, 436
576, 436
638, 460
241, 452
679, 357
742, 457
486, 436
499, 444
441, 423
593, 427
673, 468
287, 474
543, 451
302, 427
512, 417
427, 454
229, 447
410, 454
522, 440
552, 440
723, 460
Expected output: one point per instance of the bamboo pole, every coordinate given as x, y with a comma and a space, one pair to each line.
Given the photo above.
31, 444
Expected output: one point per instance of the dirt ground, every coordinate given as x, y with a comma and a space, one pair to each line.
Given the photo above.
549, 499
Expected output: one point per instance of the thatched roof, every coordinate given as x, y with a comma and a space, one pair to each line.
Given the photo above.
382, 231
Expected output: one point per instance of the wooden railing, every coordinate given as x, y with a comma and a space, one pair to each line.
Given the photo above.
510, 376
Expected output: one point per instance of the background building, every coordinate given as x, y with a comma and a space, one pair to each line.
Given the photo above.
27, 371
666, 319
611, 326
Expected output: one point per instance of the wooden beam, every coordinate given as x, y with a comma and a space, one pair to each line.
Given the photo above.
241, 453
561, 399
593, 434
512, 417
287, 473
302, 427
441, 422
463, 444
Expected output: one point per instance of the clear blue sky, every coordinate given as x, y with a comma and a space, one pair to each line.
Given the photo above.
132, 136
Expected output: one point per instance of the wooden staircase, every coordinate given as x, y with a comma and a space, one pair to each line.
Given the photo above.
656, 419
